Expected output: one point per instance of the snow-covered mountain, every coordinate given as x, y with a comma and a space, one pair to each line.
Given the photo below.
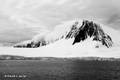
75, 38
78, 30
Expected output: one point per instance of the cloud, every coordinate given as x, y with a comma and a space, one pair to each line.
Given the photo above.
29, 17
1, 44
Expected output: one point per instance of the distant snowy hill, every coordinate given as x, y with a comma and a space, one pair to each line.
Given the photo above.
76, 38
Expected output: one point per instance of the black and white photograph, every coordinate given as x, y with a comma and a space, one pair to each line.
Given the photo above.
59, 39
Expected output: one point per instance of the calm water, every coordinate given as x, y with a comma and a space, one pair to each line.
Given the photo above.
59, 70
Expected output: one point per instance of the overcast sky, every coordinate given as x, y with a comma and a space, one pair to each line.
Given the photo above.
22, 19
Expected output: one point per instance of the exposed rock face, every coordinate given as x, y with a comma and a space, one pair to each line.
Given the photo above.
89, 29
24, 44
39, 44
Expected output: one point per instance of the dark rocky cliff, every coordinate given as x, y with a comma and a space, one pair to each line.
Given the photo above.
89, 29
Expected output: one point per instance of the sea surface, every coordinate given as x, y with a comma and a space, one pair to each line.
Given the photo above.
59, 70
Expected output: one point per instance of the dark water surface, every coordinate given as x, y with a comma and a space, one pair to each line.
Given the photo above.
59, 70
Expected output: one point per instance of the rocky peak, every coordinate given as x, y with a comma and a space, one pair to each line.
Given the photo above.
89, 29
73, 32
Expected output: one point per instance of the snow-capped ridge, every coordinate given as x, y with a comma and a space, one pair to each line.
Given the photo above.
23, 44
91, 29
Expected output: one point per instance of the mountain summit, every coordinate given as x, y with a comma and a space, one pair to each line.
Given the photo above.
79, 31
89, 29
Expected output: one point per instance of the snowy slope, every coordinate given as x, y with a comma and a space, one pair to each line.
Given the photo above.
58, 49
114, 34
